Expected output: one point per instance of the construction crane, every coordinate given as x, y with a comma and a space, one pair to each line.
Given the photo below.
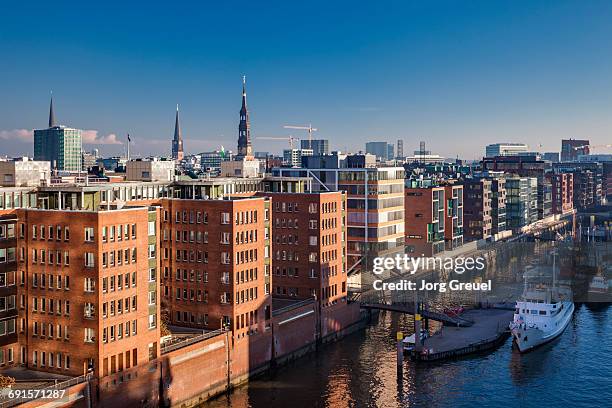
289, 138
601, 146
308, 128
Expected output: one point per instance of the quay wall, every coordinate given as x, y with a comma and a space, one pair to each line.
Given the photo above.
187, 376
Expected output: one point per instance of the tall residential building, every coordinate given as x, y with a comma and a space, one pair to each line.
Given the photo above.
177, 141
505, 149
245, 149
382, 150
572, 148
319, 147
498, 205
59, 145
562, 192
88, 289
454, 217
424, 220
477, 208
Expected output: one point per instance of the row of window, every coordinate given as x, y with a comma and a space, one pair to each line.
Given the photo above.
51, 257
127, 255
189, 294
54, 359
118, 363
120, 331
51, 306
193, 318
53, 232
115, 232
50, 281
181, 274
247, 275
119, 306
121, 281
48, 330
245, 320
190, 217
246, 295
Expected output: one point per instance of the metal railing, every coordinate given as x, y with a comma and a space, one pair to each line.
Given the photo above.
59, 386
292, 306
189, 341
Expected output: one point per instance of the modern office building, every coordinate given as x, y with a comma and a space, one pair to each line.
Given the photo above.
382, 150
319, 147
505, 149
521, 202
572, 148
375, 204
59, 145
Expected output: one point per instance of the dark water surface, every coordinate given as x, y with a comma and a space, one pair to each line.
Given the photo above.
360, 371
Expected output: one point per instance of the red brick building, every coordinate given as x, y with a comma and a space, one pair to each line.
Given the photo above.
8, 290
477, 209
88, 289
562, 192
215, 257
309, 234
424, 220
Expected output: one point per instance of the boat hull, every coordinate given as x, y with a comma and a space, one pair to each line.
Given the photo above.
528, 338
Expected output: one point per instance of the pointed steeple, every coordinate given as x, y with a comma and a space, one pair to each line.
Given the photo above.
244, 103
245, 148
177, 141
51, 113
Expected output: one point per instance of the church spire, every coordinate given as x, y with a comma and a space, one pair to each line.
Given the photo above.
245, 149
177, 141
51, 113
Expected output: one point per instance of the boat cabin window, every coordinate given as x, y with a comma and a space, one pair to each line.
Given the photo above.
543, 312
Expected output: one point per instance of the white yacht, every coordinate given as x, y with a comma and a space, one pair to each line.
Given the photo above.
541, 315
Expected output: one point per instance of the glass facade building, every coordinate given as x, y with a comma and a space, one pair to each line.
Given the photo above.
59, 145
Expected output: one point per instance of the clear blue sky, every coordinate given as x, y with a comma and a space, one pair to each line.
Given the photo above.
456, 74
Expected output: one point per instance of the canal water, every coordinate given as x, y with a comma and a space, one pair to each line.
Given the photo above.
360, 371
